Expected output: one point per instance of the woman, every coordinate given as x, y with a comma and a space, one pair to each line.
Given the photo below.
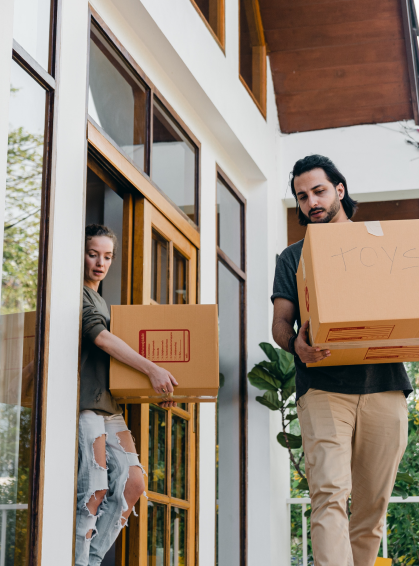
110, 476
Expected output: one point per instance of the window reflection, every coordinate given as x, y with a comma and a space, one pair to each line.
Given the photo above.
31, 24
19, 303
177, 537
117, 99
173, 161
156, 534
179, 431
180, 278
228, 453
157, 450
159, 268
229, 223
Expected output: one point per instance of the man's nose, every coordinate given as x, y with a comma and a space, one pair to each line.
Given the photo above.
312, 201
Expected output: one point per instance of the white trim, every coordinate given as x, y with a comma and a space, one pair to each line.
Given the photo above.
65, 263
6, 43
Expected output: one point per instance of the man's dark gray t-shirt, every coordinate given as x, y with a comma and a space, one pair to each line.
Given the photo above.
359, 379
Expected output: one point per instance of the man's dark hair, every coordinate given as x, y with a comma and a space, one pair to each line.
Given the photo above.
333, 175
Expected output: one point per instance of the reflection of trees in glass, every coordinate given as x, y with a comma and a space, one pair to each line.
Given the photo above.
14, 486
22, 220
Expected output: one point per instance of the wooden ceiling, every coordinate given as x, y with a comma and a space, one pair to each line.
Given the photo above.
337, 62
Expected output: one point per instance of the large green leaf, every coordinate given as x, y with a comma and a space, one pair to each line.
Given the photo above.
293, 440
261, 379
406, 477
399, 492
270, 351
290, 417
286, 361
272, 368
270, 400
222, 380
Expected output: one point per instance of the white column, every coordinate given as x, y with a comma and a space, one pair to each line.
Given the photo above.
6, 43
65, 264
207, 411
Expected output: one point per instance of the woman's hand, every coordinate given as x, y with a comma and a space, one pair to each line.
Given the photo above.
162, 381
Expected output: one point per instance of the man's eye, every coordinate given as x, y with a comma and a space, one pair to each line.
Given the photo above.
302, 198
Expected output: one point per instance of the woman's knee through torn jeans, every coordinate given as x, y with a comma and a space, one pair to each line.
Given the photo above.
108, 522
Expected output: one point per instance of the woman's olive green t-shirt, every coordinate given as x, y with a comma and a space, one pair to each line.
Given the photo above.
94, 374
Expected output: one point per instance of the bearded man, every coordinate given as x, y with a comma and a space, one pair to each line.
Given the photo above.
353, 418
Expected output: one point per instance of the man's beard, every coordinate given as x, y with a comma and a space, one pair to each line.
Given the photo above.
330, 213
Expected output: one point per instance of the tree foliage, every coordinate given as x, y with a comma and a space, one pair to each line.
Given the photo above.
22, 221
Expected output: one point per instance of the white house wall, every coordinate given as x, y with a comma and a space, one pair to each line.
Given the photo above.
174, 48
376, 160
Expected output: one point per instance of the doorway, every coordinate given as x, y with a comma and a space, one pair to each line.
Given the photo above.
155, 264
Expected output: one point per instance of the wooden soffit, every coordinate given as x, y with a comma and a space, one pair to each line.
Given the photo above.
337, 62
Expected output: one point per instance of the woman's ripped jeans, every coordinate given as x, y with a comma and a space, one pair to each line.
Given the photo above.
95, 534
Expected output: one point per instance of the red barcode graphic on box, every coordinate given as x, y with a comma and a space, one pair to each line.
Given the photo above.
393, 353
352, 333
165, 345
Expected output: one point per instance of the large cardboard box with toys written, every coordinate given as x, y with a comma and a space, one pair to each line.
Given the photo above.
181, 338
358, 286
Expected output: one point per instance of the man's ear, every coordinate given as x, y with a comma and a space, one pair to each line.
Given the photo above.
340, 189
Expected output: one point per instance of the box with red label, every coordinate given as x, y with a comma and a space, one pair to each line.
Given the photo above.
181, 338
357, 287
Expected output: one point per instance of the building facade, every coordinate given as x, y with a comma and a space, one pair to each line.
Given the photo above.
175, 123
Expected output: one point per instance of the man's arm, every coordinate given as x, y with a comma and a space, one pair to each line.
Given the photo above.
283, 330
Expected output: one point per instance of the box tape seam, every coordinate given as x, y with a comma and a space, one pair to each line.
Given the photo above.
374, 228
368, 344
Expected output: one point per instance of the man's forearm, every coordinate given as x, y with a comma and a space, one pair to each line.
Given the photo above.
282, 331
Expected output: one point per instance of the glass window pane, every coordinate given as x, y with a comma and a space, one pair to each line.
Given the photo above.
117, 99
178, 535
228, 472
173, 161
156, 528
180, 278
159, 269
157, 450
179, 432
246, 46
31, 25
229, 223
19, 302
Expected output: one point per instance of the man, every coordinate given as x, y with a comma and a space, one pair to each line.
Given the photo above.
353, 418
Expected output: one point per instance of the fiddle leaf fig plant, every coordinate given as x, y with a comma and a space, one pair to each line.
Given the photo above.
276, 378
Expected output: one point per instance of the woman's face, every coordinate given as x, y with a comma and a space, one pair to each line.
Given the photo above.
97, 259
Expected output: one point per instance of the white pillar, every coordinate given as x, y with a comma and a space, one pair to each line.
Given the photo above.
65, 266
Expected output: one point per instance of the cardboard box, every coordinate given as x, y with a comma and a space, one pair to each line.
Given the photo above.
358, 287
181, 338
17, 351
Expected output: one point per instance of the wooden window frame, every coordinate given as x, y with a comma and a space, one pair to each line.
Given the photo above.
259, 55
47, 80
152, 91
240, 274
411, 35
219, 32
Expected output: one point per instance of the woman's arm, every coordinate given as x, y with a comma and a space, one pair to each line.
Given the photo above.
159, 377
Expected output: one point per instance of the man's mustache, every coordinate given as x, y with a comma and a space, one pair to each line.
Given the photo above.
316, 210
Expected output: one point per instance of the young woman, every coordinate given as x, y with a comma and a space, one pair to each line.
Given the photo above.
110, 476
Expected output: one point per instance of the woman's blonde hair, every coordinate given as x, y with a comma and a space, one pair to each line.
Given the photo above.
93, 230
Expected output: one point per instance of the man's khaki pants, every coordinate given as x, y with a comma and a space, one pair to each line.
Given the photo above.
353, 444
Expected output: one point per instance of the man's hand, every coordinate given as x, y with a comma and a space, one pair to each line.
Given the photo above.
304, 351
